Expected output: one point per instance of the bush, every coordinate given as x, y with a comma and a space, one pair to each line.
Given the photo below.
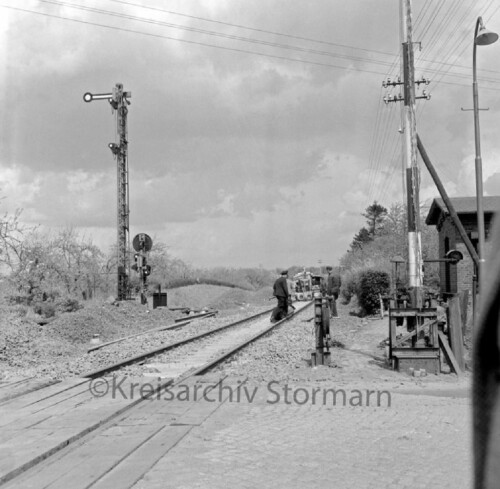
68, 305
371, 284
45, 309
349, 287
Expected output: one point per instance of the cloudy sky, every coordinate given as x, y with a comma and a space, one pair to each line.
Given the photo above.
257, 130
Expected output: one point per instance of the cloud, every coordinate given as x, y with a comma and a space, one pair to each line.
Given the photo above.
309, 224
492, 184
234, 156
57, 199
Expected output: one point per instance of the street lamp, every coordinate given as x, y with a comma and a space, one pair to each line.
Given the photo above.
482, 37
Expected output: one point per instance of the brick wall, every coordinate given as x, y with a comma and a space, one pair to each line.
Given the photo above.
447, 233
461, 275
465, 270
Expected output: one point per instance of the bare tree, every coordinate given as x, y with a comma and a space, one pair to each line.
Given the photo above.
47, 267
11, 239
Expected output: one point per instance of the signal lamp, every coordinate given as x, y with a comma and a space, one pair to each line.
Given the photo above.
115, 149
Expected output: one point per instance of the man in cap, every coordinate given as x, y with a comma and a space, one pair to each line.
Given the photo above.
333, 284
280, 291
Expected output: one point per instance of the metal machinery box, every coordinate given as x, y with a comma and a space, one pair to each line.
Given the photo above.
417, 358
159, 299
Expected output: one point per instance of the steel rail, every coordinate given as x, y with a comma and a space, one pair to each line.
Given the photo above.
209, 365
94, 429
179, 323
151, 353
196, 316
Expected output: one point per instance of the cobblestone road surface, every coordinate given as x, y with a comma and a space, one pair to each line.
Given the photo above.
417, 436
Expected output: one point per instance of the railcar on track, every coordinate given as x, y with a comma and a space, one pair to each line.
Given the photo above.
303, 286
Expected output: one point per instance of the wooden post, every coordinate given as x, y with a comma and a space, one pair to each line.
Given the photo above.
455, 331
392, 328
464, 307
449, 354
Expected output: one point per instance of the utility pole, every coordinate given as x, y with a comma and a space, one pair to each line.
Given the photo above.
119, 101
412, 170
415, 262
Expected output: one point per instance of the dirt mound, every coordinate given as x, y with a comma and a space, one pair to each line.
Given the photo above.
24, 343
108, 321
33, 345
241, 298
195, 296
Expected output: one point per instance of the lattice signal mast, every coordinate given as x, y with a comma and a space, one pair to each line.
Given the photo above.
118, 99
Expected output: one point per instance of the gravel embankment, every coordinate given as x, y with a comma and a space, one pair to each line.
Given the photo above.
59, 349
284, 354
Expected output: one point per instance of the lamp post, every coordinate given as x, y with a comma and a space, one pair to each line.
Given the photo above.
482, 37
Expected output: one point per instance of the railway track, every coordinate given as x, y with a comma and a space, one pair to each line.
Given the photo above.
179, 323
68, 419
143, 356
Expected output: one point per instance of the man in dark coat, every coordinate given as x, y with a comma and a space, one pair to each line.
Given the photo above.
280, 291
333, 284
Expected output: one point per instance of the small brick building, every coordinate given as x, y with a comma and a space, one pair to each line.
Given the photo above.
454, 278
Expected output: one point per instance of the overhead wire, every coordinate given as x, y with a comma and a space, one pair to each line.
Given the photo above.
433, 16
381, 134
212, 33
423, 65
394, 169
382, 140
459, 47
389, 143
437, 42
215, 33
240, 26
388, 182
378, 149
435, 37
199, 43
391, 147
423, 11
387, 175
443, 70
446, 24
373, 142
457, 51
448, 168
446, 57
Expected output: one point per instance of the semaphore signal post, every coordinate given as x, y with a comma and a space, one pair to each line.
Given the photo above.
118, 99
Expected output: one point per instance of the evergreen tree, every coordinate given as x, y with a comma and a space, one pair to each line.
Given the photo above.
361, 239
375, 215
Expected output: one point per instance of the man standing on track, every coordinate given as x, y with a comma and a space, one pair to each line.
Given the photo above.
333, 284
280, 291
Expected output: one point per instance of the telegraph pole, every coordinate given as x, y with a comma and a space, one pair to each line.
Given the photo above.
412, 172
119, 101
